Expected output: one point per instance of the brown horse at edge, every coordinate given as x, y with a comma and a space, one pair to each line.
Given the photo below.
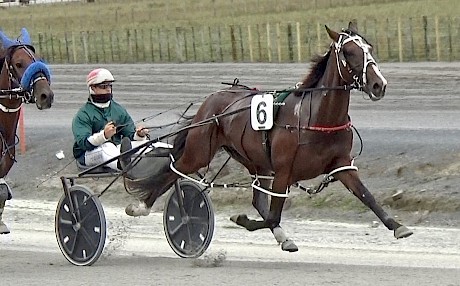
24, 78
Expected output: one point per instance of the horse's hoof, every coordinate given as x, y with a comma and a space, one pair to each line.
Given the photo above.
239, 219
289, 245
137, 210
402, 232
3, 228
234, 218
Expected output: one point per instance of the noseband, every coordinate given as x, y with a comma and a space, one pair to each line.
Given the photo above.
368, 59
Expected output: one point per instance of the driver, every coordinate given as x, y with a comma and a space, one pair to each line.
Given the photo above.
100, 124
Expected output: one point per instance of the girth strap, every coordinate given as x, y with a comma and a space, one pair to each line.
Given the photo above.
279, 99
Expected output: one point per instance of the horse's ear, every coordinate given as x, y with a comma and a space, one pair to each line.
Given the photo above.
5, 40
332, 34
25, 37
353, 26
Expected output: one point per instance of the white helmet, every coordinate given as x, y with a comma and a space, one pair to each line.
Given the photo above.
98, 76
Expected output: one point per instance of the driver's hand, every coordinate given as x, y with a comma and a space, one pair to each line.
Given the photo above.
109, 130
141, 131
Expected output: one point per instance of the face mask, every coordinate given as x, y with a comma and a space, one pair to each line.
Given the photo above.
101, 98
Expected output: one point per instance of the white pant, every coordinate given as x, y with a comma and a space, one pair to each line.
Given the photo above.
101, 154
108, 150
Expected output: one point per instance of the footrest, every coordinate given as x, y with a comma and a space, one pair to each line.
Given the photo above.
99, 170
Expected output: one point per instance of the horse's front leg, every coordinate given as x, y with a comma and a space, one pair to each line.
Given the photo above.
352, 182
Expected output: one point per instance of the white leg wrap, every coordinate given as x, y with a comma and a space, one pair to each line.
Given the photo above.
279, 234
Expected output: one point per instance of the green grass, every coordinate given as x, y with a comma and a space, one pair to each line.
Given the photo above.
117, 14
201, 30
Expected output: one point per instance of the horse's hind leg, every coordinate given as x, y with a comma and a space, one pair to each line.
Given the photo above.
352, 182
260, 203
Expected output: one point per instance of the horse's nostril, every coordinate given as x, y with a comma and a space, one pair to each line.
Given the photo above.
376, 86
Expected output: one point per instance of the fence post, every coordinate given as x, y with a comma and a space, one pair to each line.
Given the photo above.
136, 47
449, 34
202, 44
388, 39
67, 55
74, 49
103, 47
438, 41
299, 43
269, 44
233, 42
400, 44
179, 54
412, 47
251, 55
425, 29
278, 41
290, 43
111, 40
318, 37
211, 53
194, 44
159, 44
221, 52
85, 46
52, 47
240, 32
259, 46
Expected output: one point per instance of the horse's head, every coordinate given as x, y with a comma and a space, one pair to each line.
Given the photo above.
355, 62
23, 69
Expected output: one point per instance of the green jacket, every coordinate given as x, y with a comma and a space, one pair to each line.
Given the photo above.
91, 119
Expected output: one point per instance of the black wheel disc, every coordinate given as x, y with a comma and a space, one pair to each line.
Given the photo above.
188, 220
80, 226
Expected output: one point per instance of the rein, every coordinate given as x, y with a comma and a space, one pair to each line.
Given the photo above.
13, 94
6, 149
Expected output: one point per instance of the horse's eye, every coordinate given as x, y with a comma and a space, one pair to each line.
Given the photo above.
18, 65
347, 54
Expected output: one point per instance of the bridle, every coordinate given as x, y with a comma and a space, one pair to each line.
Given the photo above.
21, 87
345, 37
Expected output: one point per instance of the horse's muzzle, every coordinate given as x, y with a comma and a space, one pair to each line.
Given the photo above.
44, 100
377, 93
376, 84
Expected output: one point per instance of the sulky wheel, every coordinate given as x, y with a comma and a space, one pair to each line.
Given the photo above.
188, 219
80, 226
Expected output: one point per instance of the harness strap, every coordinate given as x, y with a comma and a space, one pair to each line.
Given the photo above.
9, 110
329, 178
328, 129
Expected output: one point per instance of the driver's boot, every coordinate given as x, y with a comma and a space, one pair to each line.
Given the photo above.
3, 228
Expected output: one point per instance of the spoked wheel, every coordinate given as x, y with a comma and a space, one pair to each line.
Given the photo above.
188, 219
80, 226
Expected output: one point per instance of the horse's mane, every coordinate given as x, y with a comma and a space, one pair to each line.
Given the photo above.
319, 64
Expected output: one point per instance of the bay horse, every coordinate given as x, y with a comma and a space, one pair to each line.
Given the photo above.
311, 136
24, 78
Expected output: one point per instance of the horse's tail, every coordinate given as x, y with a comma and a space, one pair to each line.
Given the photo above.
179, 139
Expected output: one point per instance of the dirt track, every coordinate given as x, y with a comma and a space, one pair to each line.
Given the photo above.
410, 144
410, 137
